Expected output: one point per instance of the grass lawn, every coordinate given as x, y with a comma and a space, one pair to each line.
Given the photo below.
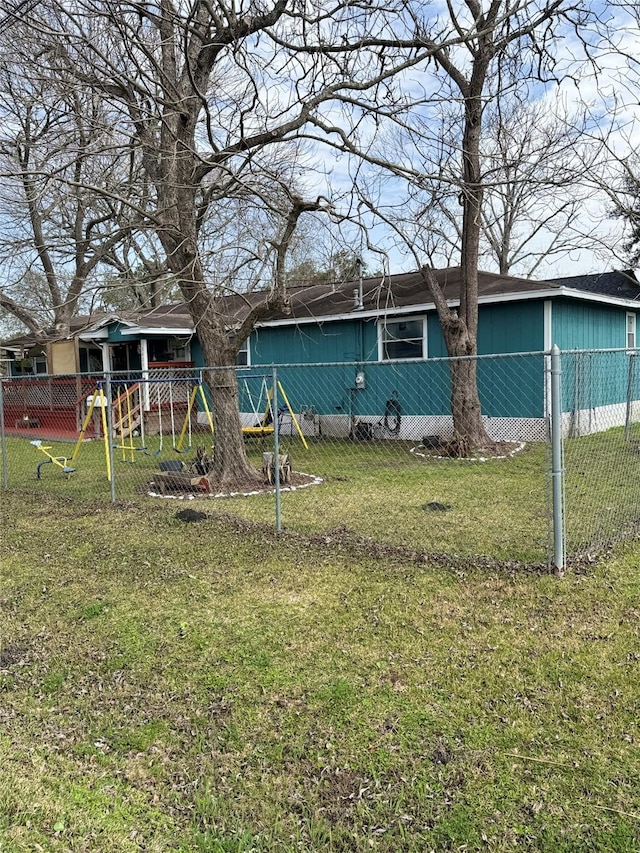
381, 490
213, 687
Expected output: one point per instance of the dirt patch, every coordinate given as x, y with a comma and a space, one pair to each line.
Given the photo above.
339, 790
11, 655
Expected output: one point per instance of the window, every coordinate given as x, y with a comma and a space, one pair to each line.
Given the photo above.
40, 364
179, 349
631, 331
242, 359
404, 338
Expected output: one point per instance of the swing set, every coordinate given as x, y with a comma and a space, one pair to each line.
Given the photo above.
186, 426
129, 418
265, 423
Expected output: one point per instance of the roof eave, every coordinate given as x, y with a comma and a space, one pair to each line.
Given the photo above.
621, 301
179, 330
373, 314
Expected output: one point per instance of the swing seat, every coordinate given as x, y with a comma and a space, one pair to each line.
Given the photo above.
264, 424
67, 470
259, 431
266, 427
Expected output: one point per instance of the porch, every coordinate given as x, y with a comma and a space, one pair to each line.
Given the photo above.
56, 408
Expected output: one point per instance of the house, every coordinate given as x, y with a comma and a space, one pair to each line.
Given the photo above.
390, 329
365, 345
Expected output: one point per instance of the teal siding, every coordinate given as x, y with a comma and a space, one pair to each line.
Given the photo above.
436, 347
419, 387
309, 343
197, 356
511, 327
117, 333
508, 387
583, 325
512, 387
592, 380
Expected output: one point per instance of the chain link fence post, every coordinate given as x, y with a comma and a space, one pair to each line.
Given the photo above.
557, 467
631, 381
109, 437
3, 441
276, 447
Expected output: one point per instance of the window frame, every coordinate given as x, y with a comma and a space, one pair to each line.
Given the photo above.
631, 315
383, 323
179, 349
246, 347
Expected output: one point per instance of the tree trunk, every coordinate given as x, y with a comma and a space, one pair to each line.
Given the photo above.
465, 406
468, 426
462, 336
230, 463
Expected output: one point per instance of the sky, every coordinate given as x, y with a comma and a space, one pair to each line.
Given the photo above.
609, 91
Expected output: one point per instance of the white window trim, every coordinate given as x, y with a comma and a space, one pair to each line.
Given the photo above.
384, 321
633, 317
246, 346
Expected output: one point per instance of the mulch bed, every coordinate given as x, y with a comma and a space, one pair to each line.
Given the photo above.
173, 488
498, 450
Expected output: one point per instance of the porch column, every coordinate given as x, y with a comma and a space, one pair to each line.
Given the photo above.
106, 359
144, 359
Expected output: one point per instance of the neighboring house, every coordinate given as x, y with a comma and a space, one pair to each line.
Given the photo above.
28, 355
389, 329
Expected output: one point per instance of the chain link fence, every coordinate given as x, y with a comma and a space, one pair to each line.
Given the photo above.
601, 425
364, 448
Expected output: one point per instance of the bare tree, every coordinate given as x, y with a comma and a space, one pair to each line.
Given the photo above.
619, 182
539, 167
217, 99
534, 156
626, 205
505, 47
55, 232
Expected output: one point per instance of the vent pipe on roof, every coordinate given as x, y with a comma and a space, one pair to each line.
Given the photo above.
358, 296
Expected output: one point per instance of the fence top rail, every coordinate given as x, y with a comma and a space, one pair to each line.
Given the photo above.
158, 375
365, 363
634, 351
151, 380
94, 381
42, 379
